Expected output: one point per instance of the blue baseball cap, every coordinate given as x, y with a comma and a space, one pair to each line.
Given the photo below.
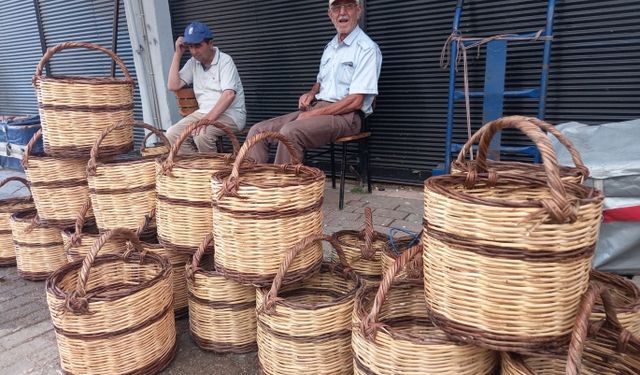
196, 32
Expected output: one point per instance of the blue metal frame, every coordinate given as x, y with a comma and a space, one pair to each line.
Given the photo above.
494, 91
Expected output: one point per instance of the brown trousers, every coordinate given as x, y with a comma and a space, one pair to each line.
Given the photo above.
304, 134
203, 142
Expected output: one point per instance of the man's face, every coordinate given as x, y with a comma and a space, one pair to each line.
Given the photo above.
202, 51
344, 14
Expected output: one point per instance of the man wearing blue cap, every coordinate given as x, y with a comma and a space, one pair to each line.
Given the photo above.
342, 96
216, 84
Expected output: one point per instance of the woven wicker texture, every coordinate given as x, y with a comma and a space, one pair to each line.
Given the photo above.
157, 149
260, 212
58, 185
113, 314
507, 257
363, 249
391, 252
184, 191
75, 110
122, 191
79, 238
602, 347
7, 207
392, 332
625, 296
306, 327
575, 174
222, 313
39, 249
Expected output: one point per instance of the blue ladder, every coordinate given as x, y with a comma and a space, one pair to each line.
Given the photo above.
494, 91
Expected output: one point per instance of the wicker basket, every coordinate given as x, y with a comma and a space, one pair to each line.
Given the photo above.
261, 212
625, 296
575, 174
183, 185
58, 185
178, 262
157, 149
306, 327
393, 334
363, 249
123, 190
114, 314
7, 207
75, 110
39, 249
413, 269
222, 313
79, 238
597, 348
507, 258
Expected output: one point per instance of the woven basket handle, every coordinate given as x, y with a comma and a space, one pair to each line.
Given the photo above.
170, 162
272, 296
143, 146
197, 257
81, 217
558, 207
95, 149
30, 145
16, 178
230, 185
369, 324
575, 155
66, 45
367, 233
77, 299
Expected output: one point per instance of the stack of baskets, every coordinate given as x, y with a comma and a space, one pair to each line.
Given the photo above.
8, 206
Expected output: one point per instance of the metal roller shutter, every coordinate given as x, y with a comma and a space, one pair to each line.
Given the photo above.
19, 54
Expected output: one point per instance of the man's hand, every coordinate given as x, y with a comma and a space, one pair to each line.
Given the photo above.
305, 101
180, 47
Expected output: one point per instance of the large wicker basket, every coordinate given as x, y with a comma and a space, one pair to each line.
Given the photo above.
575, 174
506, 258
597, 348
58, 185
184, 192
39, 249
79, 238
222, 313
7, 207
123, 190
75, 110
393, 334
364, 249
260, 212
306, 327
113, 314
625, 296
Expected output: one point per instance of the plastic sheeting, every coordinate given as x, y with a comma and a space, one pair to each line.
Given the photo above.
612, 153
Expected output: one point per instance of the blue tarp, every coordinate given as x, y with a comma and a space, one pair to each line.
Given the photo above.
20, 130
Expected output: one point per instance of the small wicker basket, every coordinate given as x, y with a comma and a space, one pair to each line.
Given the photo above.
363, 249
506, 258
183, 185
113, 314
8, 206
306, 327
575, 174
157, 149
222, 313
39, 248
75, 110
58, 185
625, 296
261, 211
393, 334
123, 190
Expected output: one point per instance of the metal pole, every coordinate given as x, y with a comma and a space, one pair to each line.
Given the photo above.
546, 60
452, 87
43, 41
114, 35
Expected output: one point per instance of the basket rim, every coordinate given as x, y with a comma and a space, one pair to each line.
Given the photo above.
87, 79
24, 216
440, 185
619, 283
53, 280
309, 175
12, 202
377, 236
326, 267
180, 160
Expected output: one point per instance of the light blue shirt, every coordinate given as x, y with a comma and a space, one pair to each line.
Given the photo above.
350, 67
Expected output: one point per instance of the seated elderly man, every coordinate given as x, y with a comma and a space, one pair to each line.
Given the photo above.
216, 84
342, 96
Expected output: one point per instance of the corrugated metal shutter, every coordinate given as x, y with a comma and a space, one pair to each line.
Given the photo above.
88, 21
19, 54
594, 71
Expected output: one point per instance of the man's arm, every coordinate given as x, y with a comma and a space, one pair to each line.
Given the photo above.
306, 98
174, 83
222, 104
349, 103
